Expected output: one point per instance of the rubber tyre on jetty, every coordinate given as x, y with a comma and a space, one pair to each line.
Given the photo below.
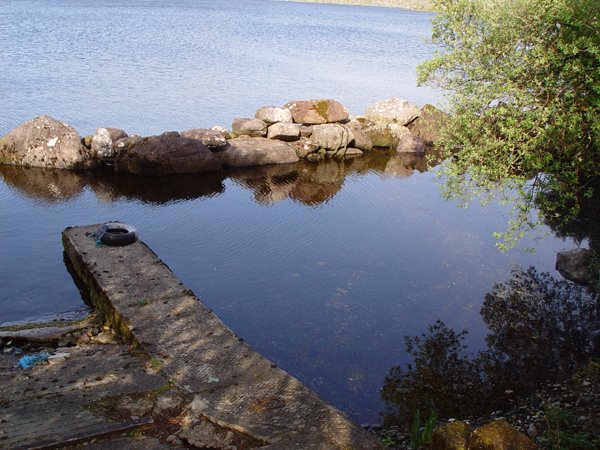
117, 234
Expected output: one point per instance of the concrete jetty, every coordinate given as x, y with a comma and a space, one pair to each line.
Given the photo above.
232, 393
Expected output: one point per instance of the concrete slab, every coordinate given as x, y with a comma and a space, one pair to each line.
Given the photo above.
56, 404
232, 386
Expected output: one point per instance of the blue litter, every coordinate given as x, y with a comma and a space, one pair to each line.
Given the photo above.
29, 360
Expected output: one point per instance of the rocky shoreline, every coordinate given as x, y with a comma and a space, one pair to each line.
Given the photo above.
312, 130
557, 415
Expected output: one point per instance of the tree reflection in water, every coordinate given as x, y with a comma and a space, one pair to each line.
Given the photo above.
540, 329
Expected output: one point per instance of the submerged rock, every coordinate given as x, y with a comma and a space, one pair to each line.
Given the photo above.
315, 112
409, 143
45, 142
575, 265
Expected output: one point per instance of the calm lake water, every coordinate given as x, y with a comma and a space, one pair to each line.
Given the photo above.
323, 269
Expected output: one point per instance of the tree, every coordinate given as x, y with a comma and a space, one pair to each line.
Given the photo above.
523, 78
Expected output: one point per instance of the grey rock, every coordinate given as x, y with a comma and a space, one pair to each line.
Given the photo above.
304, 147
166, 403
208, 435
105, 338
575, 265
273, 114
165, 155
127, 142
331, 136
314, 112
103, 142
215, 139
305, 130
257, 151
409, 143
353, 152
361, 138
393, 109
45, 142
284, 131
249, 127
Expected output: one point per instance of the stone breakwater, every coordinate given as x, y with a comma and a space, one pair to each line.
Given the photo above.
314, 130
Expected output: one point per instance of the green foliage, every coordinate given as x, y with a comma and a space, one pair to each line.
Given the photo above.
524, 81
422, 435
560, 434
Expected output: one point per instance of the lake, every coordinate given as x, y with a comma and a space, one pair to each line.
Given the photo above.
323, 269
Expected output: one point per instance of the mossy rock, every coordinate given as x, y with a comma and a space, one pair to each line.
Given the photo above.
451, 436
499, 435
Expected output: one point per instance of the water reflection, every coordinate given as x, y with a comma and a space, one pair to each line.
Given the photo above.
540, 329
306, 183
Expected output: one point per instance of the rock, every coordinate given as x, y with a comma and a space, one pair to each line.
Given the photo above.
139, 407
575, 265
392, 109
409, 143
353, 152
314, 112
127, 142
105, 338
249, 127
87, 141
304, 147
451, 436
499, 435
103, 142
361, 138
256, 151
45, 142
384, 135
166, 403
273, 114
331, 136
427, 126
207, 435
315, 157
214, 139
167, 154
305, 130
284, 131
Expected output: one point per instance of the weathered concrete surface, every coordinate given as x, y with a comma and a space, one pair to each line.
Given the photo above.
53, 404
231, 385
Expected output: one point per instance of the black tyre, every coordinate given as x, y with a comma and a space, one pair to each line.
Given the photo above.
116, 234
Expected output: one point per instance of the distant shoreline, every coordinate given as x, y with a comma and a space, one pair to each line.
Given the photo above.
414, 5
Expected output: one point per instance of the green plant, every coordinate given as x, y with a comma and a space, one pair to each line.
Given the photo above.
525, 102
420, 435
560, 434
388, 440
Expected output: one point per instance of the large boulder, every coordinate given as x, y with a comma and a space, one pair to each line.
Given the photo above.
451, 436
361, 138
45, 142
429, 123
315, 112
499, 435
103, 142
393, 109
409, 143
213, 139
273, 114
256, 151
249, 127
575, 265
384, 134
284, 131
167, 154
331, 136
